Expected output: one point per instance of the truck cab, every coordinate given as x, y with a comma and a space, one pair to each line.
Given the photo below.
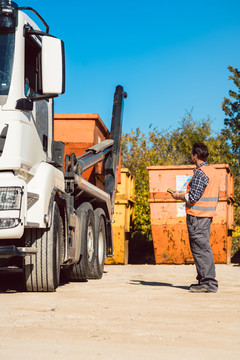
26, 112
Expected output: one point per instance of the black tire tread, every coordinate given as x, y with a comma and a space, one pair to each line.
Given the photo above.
97, 271
40, 271
80, 270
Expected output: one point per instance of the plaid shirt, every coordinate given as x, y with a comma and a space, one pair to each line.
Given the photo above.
197, 184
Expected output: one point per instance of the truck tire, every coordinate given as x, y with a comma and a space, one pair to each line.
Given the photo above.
100, 247
42, 271
82, 270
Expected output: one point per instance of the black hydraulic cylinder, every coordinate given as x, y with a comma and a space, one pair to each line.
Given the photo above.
111, 164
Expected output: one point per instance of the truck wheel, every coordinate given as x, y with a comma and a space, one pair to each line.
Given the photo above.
42, 271
100, 248
82, 270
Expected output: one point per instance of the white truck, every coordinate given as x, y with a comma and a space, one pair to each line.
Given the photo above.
51, 219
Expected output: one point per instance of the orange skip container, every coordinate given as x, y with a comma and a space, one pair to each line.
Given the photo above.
79, 132
168, 218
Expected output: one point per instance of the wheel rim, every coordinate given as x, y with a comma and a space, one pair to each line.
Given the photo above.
90, 238
100, 246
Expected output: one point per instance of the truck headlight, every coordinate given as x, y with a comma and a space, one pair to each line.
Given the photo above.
9, 223
10, 198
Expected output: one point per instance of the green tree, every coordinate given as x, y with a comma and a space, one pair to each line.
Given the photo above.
179, 142
231, 108
231, 131
136, 157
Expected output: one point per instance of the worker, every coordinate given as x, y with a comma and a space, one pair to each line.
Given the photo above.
201, 200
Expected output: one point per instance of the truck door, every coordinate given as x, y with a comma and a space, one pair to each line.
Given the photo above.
33, 86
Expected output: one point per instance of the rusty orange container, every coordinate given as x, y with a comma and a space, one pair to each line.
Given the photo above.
168, 218
79, 132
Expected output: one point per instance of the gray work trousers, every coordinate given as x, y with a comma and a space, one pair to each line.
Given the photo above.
199, 234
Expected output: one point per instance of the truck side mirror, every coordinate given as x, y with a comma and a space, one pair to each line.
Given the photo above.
53, 66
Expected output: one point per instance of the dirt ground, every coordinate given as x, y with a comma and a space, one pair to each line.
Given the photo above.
134, 312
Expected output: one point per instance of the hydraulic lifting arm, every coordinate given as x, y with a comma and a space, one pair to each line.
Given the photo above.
108, 149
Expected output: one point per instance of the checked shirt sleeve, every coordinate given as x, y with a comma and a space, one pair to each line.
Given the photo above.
197, 186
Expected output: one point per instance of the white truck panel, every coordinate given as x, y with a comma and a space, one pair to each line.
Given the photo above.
21, 141
45, 180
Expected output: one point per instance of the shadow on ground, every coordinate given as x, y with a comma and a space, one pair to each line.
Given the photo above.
156, 283
11, 280
140, 250
236, 258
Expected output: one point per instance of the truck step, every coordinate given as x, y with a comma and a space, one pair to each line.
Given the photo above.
32, 198
9, 251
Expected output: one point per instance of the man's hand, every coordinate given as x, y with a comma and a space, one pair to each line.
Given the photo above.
178, 196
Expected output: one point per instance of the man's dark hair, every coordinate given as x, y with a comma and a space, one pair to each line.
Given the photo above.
201, 150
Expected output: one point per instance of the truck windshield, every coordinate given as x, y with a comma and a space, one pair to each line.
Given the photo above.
7, 41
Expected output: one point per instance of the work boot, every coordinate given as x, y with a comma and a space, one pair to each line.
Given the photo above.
200, 288
192, 285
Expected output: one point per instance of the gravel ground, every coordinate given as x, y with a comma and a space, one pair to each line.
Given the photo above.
134, 312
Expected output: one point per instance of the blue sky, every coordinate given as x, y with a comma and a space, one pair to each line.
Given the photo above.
170, 57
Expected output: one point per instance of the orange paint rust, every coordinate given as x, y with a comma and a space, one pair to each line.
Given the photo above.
171, 244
